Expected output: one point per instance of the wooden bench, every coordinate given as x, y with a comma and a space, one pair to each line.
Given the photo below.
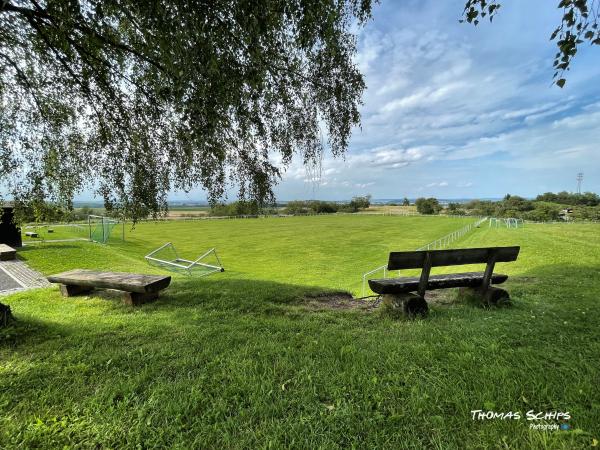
409, 292
7, 253
137, 288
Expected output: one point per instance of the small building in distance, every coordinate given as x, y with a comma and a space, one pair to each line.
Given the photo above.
10, 233
565, 214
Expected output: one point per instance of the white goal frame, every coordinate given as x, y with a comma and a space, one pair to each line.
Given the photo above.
185, 264
103, 220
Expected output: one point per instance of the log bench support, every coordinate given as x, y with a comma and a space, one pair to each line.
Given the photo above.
407, 294
409, 304
71, 290
492, 296
135, 298
7, 253
135, 289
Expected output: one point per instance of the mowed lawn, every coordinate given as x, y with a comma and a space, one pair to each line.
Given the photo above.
239, 360
326, 251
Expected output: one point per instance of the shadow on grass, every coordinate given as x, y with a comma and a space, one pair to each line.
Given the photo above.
232, 294
188, 302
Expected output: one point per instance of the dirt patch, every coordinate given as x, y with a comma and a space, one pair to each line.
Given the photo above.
339, 301
443, 297
344, 300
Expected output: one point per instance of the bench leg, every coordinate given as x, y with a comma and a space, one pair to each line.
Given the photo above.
8, 256
69, 290
409, 305
134, 298
492, 296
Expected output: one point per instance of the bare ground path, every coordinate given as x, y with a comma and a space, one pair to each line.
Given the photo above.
18, 276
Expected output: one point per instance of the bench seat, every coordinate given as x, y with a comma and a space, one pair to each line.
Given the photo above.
403, 285
137, 288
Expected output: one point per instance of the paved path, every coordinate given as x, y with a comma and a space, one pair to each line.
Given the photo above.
18, 276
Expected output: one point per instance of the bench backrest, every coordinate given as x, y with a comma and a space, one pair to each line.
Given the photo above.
427, 259
452, 257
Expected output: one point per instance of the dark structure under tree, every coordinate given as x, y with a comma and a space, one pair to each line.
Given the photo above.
10, 233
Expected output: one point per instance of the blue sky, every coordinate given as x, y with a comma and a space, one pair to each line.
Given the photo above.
456, 111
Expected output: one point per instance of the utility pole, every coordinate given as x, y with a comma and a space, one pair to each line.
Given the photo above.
579, 181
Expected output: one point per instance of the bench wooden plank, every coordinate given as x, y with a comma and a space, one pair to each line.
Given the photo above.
411, 284
122, 281
424, 279
452, 257
7, 253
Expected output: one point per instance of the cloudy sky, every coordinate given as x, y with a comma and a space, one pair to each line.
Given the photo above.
457, 111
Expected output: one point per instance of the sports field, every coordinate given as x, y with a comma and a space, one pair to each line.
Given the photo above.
243, 359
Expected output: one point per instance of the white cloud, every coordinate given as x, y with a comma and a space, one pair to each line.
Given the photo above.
437, 184
449, 102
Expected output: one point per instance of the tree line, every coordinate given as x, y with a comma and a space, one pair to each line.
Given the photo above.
295, 207
545, 207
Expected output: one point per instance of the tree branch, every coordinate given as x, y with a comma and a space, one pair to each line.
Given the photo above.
21, 75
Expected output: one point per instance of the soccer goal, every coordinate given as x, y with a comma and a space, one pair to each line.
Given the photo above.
167, 257
101, 228
510, 222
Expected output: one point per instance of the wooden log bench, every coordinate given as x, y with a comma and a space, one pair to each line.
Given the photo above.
7, 253
136, 288
408, 293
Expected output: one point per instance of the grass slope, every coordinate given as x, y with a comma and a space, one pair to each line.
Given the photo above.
235, 360
330, 251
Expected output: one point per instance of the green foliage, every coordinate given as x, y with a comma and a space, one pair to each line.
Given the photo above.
300, 207
405, 202
567, 198
542, 212
240, 361
455, 209
580, 22
39, 211
586, 213
138, 98
546, 207
513, 206
359, 203
428, 205
481, 207
239, 208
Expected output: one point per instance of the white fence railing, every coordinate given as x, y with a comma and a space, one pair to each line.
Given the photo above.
438, 244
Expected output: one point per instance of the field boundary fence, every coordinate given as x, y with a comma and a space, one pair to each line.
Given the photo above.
436, 244
266, 216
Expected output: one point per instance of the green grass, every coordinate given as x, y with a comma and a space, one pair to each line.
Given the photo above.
237, 360
59, 232
327, 251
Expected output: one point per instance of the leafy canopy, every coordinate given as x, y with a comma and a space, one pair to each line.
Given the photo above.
136, 98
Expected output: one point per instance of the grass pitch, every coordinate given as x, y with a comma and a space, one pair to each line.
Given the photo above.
240, 360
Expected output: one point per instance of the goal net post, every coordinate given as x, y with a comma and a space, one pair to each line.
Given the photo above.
102, 228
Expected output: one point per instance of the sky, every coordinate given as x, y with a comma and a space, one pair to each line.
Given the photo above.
457, 111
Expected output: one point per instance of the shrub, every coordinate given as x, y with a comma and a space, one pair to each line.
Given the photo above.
428, 205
